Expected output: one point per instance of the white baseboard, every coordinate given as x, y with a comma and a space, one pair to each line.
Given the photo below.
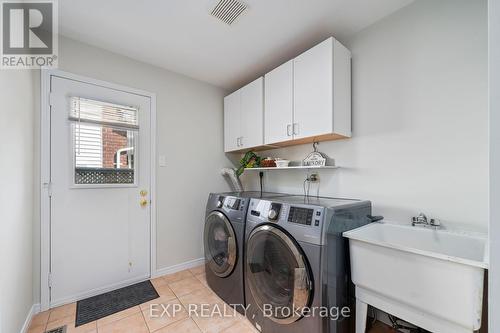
98, 291
178, 267
35, 308
159, 272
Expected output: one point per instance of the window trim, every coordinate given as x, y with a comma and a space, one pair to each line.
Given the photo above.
72, 181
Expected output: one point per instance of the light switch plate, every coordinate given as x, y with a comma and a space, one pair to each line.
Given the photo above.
162, 160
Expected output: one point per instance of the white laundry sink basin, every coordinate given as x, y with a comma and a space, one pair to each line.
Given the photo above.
431, 278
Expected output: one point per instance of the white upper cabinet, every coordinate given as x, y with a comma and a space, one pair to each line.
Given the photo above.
243, 117
306, 99
322, 91
232, 121
252, 114
313, 88
278, 101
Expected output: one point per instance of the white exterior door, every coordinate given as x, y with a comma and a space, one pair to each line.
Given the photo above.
278, 112
100, 216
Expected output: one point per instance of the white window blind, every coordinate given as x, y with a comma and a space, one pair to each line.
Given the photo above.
104, 137
88, 146
84, 110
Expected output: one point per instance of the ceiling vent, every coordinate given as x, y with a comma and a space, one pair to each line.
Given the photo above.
228, 10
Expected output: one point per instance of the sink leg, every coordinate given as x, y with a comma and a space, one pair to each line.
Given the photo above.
361, 313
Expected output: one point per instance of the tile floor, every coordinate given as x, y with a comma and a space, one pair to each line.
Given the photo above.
181, 291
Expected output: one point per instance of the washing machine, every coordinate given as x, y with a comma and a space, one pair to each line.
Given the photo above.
296, 262
224, 243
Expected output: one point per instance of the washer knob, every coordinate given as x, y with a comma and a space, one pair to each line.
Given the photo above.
272, 215
219, 204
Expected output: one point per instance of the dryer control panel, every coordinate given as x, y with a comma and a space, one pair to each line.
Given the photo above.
234, 208
232, 203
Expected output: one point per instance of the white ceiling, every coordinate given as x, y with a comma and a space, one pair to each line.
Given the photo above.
181, 36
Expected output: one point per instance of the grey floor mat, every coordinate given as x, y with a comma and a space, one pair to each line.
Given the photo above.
103, 305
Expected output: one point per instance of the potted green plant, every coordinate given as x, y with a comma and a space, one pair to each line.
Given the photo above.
249, 160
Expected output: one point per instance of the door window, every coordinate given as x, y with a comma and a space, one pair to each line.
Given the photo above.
104, 142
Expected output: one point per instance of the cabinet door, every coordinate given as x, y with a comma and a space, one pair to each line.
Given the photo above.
278, 111
232, 121
252, 114
313, 90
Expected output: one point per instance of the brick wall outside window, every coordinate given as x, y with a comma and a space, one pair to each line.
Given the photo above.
112, 141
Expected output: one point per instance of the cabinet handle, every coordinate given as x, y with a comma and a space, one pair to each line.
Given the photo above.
241, 141
296, 128
237, 142
288, 127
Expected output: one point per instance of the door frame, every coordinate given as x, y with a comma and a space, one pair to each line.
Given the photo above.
45, 157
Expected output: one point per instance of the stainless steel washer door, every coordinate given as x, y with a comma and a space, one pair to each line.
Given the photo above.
277, 274
220, 244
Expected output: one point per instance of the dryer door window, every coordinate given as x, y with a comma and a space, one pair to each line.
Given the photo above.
220, 244
278, 276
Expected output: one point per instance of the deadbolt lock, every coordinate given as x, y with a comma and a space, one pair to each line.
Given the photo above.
143, 193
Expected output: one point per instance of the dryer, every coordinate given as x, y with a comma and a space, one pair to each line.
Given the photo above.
224, 242
295, 258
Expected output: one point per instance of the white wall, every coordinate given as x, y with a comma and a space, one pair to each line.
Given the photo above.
189, 133
494, 89
17, 114
420, 118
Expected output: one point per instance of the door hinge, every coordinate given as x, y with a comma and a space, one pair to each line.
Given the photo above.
48, 186
51, 99
50, 280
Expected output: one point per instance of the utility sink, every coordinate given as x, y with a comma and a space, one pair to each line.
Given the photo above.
430, 278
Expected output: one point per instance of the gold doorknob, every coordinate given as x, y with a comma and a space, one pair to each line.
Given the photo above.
143, 193
143, 202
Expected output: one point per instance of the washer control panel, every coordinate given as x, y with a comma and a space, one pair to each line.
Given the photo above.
303, 221
304, 216
276, 212
300, 215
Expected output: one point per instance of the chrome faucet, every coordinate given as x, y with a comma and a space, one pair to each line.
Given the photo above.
421, 220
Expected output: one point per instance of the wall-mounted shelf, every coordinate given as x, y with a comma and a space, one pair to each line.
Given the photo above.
299, 167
